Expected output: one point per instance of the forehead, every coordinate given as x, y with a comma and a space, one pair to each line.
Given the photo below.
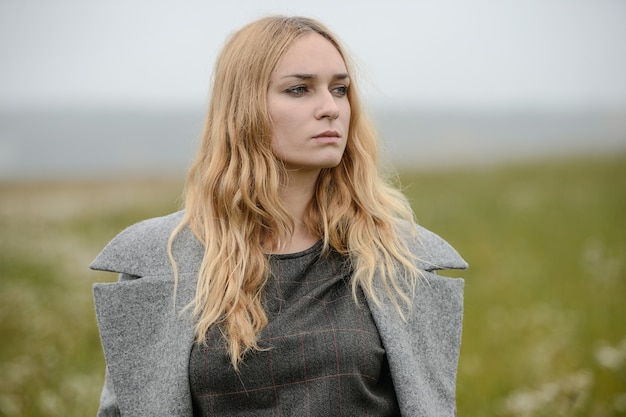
311, 53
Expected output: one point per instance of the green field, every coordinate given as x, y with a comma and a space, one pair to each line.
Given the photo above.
545, 308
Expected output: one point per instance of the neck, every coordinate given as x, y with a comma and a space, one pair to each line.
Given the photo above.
296, 197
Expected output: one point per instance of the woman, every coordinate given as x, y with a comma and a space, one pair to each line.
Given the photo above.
295, 280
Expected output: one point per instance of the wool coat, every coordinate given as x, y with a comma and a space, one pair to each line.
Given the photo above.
147, 334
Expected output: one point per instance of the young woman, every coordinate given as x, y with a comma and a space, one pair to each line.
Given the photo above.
295, 281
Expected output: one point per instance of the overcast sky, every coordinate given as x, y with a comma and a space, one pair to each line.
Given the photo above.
478, 53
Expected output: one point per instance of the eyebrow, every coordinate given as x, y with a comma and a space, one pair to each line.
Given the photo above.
340, 76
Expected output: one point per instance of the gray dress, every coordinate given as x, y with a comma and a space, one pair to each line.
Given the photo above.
320, 355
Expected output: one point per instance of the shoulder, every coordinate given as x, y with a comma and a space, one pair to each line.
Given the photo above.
431, 251
141, 249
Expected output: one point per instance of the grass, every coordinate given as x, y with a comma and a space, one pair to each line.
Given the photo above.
545, 292
545, 317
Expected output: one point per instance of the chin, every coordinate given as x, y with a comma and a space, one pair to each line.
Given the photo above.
315, 165
331, 163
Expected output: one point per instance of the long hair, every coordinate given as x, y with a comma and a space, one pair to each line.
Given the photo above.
232, 202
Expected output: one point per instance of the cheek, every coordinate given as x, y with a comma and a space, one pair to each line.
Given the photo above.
348, 114
281, 131
284, 122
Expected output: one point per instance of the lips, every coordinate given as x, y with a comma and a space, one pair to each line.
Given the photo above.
327, 134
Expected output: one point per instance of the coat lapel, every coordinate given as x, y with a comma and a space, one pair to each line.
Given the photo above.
423, 351
146, 343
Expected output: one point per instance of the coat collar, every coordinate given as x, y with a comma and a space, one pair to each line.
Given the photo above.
141, 250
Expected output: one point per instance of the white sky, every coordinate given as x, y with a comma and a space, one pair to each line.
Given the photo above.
461, 53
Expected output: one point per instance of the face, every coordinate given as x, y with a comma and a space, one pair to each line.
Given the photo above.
308, 105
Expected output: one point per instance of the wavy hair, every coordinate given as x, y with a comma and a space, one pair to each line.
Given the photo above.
232, 202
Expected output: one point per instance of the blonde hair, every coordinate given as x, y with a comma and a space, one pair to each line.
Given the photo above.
232, 202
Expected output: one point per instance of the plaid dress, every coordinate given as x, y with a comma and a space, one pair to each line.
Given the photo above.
323, 354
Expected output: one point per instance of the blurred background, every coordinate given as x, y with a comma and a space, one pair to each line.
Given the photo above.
506, 121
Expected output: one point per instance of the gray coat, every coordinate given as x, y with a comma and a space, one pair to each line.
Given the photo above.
147, 335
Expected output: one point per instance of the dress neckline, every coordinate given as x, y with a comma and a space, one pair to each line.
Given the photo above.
316, 246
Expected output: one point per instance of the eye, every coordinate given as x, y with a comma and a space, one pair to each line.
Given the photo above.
297, 90
340, 91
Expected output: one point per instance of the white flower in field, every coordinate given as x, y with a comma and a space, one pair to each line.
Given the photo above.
521, 403
599, 263
611, 357
560, 397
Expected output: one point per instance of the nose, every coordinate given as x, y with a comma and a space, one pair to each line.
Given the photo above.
327, 107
